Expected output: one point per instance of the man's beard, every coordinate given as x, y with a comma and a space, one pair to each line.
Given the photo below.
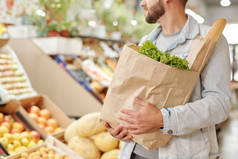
155, 12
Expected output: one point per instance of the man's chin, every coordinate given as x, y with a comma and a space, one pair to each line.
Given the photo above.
150, 20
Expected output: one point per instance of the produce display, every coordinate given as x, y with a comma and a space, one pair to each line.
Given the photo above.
151, 50
3, 32
12, 78
89, 138
94, 67
14, 137
43, 153
44, 119
94, 74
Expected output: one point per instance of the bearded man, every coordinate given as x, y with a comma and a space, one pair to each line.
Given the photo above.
193, 124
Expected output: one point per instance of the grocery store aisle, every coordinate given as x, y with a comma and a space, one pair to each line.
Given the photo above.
229, 137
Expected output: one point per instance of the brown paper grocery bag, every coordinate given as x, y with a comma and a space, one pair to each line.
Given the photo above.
137, 75
140, 76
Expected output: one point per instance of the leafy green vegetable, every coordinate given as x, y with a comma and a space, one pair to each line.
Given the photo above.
150, 50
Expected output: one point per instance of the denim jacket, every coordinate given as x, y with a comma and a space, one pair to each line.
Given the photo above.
193, 124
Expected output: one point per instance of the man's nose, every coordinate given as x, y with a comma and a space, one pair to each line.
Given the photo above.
143, 3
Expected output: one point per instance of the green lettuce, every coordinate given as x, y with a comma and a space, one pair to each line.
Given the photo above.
151, 50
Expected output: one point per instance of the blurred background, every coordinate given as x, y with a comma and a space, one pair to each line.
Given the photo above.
102, 28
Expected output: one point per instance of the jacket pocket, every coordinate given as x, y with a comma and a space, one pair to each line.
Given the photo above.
193, 146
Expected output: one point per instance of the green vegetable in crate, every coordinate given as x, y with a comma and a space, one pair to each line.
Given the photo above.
150, 50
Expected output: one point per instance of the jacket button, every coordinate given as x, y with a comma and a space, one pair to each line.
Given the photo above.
170, 132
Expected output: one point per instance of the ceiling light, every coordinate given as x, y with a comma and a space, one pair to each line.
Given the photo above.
92, 23
225, 3
230, 32
41, 13
134, 22
115, 23
196, 16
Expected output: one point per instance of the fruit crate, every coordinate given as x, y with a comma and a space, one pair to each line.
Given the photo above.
13, 77
89, 138
16, 133
51, 147
41, 112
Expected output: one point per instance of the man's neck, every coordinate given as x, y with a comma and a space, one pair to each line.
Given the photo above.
172, 23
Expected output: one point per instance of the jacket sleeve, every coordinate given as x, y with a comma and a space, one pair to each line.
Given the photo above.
214, 105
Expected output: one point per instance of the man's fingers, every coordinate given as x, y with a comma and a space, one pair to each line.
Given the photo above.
110, 130
130, 127
107, 125
129, 112
127, 119
116, 131
122, 134
127, 138
139, 102
136, 132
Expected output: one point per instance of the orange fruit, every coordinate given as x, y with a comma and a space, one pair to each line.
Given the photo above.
35, 109
45, 113
52, 123
42, 121
34, 116
42, 126
49, 129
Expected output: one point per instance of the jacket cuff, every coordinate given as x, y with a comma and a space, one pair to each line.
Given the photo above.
170, 122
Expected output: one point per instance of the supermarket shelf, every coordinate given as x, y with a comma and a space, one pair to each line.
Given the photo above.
103, 39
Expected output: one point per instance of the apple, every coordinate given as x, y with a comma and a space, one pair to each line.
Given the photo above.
49, 129
59, 129
7, 124
25, 141
10, 147
35, 109
16, 136
40, 142
45, 113
41, 126
16, 143
35, 135
4, 141
24, 134
34, 116
13, 131
8, 118
31, 144
3, 130
52, 123
8, 136
1, 117
42, 121
18, 126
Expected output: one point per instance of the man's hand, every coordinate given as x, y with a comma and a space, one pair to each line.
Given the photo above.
119, 132
147, 119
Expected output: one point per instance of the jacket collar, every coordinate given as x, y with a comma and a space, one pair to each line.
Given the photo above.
189, 32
